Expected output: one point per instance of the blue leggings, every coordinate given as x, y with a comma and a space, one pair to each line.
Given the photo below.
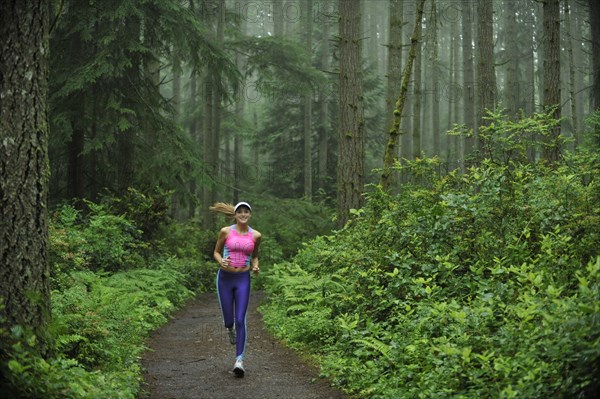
234, 294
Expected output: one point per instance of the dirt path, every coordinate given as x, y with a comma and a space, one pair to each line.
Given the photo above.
191, 357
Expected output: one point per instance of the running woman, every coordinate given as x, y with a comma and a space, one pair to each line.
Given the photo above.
236, 252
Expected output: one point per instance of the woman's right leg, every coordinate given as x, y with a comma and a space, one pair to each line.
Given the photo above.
225, 294
242, 297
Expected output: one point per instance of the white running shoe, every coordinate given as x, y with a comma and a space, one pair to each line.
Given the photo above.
231, 333
238, 368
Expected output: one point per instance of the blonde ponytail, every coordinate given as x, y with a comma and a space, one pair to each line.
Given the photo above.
222, 207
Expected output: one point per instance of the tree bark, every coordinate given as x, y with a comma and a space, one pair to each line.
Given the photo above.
208, 114
417, 94
125, 139
451, 155
394, 84
468, 73
240, 106
595, 33
308, 111
578, 26
572, 97
435, 99
390, 151
512, 47
551, 21
193, 130
486, 86
217, 109
323, 129
350, 169
24, 271
75, 183
277, 18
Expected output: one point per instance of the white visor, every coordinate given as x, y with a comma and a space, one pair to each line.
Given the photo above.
235, 208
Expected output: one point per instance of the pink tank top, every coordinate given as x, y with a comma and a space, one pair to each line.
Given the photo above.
239, 247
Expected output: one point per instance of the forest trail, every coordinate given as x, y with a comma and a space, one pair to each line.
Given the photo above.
191, 357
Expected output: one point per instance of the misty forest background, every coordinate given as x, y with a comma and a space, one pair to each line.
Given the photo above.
424, 174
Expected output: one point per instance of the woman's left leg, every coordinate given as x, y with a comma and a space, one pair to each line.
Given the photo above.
242, 298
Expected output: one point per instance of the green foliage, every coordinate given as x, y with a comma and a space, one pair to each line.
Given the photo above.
104, 62
483, 284
148, 211
99, 324
98, 240
189, 250
106, 299
592, 134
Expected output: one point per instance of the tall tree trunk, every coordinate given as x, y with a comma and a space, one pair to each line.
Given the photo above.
513, 56
436, 98
383, 25
529, 57
450, 142
217, 110
207, 135
405, 130
24, 271
308, 111
394, 85
75, 169
390, 149
551, 18
350, 170
539, 42
211, 169
177, 86
595, 33
530, 72
152, 61
239, 112
125, 139
486, 70
371, 17
468, 73
277, 18
324, 105
578, 24
454, 142
176, 199
417, 90
193, 129
572, 97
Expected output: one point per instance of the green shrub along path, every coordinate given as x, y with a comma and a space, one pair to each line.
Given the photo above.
191, 357
480, 285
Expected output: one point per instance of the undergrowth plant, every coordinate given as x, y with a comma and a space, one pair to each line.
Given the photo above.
477, 284
111, 286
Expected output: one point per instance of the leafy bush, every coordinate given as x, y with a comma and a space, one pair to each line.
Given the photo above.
110, 288
147, 210
97, 240
483, 284
100, 324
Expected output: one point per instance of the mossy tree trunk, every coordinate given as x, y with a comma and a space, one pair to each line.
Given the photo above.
390, 156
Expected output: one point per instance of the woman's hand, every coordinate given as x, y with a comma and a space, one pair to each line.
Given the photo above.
225, 262
255, 267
